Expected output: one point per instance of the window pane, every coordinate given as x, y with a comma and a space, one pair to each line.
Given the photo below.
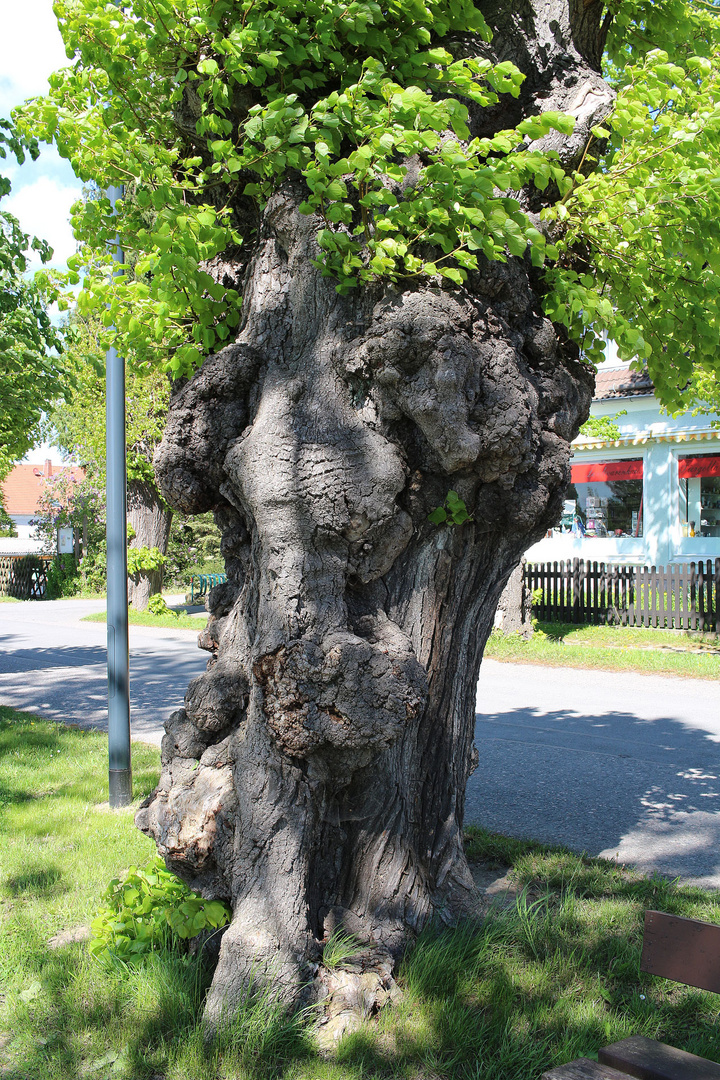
606, 508
699, 502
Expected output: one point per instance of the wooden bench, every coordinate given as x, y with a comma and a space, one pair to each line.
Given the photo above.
686, 951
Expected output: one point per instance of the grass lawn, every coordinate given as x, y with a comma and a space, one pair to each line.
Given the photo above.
9, 600
146, 618
553, 977
614, 648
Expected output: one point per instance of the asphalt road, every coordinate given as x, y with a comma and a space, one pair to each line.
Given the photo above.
53, 664
623, 765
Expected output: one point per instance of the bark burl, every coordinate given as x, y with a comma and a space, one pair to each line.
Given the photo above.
316, 775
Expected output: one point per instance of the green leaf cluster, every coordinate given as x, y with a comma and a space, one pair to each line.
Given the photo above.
32, 372
452, 512
603, 427
376, 224
144, 558
203, 108
639, 239
158, 606
150, 909
681, 27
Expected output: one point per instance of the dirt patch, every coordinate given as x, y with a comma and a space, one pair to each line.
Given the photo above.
494, 883
69, 937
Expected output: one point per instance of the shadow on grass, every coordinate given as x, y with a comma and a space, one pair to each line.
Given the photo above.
550, 980
517, 997
89, 1020
554, 978
40, 881
557, 631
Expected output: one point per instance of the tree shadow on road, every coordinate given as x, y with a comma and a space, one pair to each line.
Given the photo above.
609, 783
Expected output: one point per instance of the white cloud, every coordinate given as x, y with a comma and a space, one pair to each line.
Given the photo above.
43, 210
31, 49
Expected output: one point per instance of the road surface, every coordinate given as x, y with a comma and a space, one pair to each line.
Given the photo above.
53, 664
618, 764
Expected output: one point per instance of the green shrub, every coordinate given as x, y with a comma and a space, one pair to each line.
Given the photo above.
151, 909
64, 578
93, 567
157, 606
7, 525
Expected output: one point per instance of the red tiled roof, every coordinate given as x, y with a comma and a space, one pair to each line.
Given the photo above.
621, 382
24, 485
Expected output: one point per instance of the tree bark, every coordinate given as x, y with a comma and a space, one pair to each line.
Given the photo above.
316, 776
150, 518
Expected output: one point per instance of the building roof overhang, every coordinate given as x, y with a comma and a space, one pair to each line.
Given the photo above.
644, 437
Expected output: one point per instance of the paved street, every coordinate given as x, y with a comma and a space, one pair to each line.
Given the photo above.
623, 765
53, 664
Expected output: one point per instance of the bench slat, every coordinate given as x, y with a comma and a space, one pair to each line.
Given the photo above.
584, 1069
686, 950
650, 1060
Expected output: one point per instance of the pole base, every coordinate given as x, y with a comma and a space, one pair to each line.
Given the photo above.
120, 787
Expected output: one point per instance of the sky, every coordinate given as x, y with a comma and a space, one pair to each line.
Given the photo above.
43, 190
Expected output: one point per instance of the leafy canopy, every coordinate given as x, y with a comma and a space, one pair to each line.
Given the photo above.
649, 216
32, 372
202, 107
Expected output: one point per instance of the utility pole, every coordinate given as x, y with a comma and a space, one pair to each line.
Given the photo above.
118, 662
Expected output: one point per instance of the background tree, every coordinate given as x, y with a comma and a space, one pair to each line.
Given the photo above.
78, 427
425, 211
7, 525
69, 502
193, 548
32, 372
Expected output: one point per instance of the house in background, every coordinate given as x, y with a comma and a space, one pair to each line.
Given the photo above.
22, 490
650, 497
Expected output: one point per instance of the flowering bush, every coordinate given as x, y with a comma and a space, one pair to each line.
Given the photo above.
71, 501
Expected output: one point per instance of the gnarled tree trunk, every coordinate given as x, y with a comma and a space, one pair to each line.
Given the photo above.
316, 775
150, 518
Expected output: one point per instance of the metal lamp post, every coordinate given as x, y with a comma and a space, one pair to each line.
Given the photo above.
118, 664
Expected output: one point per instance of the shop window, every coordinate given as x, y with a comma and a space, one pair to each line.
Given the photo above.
699, 478
605, 499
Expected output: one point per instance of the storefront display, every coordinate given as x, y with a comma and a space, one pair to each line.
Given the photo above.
699, 479
608, 499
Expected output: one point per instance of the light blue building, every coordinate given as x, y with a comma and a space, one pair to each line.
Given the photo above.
651, 496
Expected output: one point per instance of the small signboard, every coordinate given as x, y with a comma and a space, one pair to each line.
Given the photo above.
65, 541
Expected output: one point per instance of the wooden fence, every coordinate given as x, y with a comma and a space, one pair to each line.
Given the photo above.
24, 576
685, 596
